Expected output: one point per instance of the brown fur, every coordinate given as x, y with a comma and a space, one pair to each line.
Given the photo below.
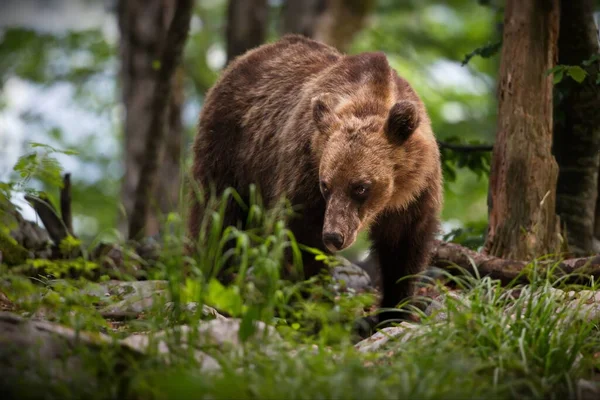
297, 117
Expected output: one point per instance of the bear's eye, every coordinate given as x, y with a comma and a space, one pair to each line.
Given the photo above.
324, 189
360, 191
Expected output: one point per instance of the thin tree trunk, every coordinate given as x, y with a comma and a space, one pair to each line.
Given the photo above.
334, 22
143, 26
342, 20
165, 66
167, 190
246, 26
302, 16
522, 217
577, 126
597, 221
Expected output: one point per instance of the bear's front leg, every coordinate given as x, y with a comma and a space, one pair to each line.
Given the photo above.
402, 242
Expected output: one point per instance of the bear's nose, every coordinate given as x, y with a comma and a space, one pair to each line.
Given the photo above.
333, 239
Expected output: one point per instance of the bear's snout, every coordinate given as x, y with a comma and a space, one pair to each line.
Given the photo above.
333, 240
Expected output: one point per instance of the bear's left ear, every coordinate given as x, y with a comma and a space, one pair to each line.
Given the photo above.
322, 112
403, 120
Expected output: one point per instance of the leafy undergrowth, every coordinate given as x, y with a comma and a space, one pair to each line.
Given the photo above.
492, 345
496, 343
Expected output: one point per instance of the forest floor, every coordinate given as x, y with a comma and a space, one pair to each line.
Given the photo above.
165, 339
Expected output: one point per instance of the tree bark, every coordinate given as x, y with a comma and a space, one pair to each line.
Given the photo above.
143, 26
577, 126
167, 189
165, 66
334, 22
522, 216
597, 221
247, 22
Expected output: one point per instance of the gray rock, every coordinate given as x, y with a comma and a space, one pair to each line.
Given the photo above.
351, 276
588, 390
219, 334
438, 306
144, 343
584, 304
137, 296
404, 331
193, 307
37, 357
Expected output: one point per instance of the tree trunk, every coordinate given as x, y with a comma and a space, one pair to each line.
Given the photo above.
334, 22
143, 26
166, 55
597, 221
302, 16
246, 26
522, 216
577, 126
168, 186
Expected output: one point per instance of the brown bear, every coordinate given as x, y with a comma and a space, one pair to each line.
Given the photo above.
341, 135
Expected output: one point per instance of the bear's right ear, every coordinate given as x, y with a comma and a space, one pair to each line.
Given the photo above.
403, 120
322, 111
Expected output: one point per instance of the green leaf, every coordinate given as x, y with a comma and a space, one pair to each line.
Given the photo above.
577, 73
555, 69
248, 326
224, 298
486, 51
590, 60
558, 75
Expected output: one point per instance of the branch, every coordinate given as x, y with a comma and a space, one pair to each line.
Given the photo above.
169, 59
52, 222
65, 204
465, 148
446, 254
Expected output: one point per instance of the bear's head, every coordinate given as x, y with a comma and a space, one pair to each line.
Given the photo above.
359, 155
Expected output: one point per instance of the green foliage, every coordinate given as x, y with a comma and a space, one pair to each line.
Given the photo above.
575, 72
487, 51
40, 165
12, 253
63, 268
83, 61
69, 246
478, 162
472, 235
41, 57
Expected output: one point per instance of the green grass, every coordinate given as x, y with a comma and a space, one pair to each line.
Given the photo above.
491, 346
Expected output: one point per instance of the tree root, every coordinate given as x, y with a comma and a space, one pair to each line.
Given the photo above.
448, 256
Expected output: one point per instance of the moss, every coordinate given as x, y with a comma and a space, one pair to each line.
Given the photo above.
12, 252
64, 268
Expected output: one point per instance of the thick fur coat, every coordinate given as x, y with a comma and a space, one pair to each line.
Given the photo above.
343, 136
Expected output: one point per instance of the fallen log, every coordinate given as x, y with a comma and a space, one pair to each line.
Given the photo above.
448, 256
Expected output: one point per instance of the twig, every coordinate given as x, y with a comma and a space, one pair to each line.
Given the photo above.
466, 148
